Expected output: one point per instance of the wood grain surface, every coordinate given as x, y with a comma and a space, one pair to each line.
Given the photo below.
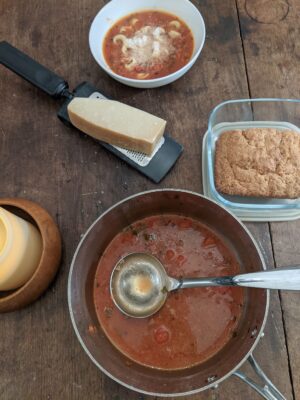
272, 53
252, 49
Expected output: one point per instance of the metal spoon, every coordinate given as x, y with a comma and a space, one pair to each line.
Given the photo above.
139, 284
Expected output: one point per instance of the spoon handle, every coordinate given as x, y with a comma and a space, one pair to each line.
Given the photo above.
287, 278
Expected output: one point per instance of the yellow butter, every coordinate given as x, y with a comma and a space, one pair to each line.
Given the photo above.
20, 250
2, 235
117, 123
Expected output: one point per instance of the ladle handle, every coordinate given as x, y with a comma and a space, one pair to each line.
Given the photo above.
287, 278
185, 283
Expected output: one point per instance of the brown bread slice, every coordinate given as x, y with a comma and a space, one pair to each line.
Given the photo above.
258, 162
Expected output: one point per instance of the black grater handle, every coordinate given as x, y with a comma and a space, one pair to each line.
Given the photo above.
32, 71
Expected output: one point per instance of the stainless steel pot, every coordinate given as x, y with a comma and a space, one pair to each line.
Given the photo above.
156, 382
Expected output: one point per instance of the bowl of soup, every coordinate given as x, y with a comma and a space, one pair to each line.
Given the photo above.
201, 335
147, 43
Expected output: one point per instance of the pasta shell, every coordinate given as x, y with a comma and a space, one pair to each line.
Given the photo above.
125, 28
130, 65
175, 24
133, 21
142, 75
119, 38
174, 34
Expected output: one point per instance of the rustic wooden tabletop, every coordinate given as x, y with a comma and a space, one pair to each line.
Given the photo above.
252, 49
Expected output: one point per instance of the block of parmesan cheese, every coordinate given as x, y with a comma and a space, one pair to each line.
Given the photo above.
117, 123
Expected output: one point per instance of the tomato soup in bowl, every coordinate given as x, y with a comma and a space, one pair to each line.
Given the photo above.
147, 43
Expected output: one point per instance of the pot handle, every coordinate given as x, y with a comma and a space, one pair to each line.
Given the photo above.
267, 390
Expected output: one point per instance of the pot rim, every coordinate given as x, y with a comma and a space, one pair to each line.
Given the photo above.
102, 369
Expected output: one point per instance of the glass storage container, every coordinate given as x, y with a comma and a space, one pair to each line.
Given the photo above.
242, 114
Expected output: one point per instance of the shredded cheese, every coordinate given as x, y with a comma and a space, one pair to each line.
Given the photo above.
148, 46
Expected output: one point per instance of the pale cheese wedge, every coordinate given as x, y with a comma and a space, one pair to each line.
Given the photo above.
117, 123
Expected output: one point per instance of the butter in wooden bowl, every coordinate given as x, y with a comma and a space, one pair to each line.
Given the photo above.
258, 162
30, 252
20, 250
117, 123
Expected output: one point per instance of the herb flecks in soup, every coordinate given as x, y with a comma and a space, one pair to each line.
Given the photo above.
148, 45
194, 324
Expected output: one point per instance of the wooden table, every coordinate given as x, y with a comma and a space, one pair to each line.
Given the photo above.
252, 49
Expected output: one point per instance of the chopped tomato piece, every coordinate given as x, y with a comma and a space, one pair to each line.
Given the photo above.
161, 335
127, 237
180, 259
185, 224
139, 68
170, 255
208, 241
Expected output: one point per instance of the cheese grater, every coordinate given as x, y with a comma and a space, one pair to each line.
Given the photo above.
155, 167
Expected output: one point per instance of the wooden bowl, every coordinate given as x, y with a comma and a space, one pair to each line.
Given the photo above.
50, 259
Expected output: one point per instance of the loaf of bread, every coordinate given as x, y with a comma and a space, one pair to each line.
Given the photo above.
258, 162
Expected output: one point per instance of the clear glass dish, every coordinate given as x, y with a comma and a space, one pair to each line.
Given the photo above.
247, 113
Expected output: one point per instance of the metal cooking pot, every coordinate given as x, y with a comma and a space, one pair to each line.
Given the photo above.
147, 380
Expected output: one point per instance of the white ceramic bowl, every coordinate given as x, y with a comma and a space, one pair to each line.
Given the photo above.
117, 9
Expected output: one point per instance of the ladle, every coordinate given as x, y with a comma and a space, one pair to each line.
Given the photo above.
139, 284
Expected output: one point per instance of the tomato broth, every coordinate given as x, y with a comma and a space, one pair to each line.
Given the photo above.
148, 45
194, 324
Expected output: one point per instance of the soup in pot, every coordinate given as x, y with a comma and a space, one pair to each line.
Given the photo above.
148, 45
194, 324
